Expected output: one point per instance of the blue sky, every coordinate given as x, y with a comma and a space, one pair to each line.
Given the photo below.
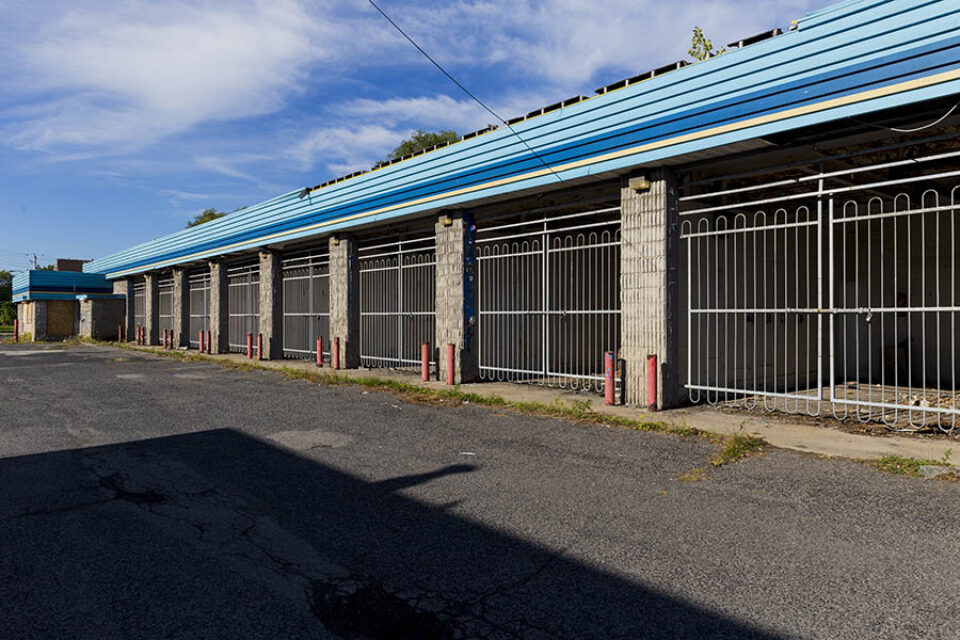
120, 120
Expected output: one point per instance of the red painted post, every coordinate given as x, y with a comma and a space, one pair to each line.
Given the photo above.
139, 335
609, 379
16, 330
259, 346
335, 355
201, 341
319, 351
249, 346
424, 362
209, 342
652, 382
451, 378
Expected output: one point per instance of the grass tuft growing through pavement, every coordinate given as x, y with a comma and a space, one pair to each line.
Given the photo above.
735, 447
902, 465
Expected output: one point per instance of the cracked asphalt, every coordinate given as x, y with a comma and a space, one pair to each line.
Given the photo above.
145, 497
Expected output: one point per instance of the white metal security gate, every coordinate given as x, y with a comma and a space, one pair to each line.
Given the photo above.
199, 286
397, 301
243, 303
827, 290
140, 304
306, 304
549, 298
165, 303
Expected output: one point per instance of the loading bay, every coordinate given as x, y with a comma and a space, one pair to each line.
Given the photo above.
148, 497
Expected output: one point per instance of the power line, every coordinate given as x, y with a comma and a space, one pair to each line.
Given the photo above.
463, 88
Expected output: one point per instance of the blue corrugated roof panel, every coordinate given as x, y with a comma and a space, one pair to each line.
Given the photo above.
848, 59
59, 285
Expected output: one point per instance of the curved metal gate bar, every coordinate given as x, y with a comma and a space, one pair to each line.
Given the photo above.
306, 304
165, 303
243, 303
199, 287
397, 301
549, 298
140, 303
828, 288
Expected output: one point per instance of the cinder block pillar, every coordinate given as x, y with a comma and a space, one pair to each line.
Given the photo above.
456, 295
271, 305
219, 311
124, 287
649, 294
345, 299
181, 309
151, 299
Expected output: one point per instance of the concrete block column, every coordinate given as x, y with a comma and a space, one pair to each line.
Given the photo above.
181, 309
345, 299
456, 295
271, 305
124, 287
151, 298
649, 287
219, 309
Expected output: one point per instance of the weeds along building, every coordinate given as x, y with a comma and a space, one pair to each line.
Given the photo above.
775, 224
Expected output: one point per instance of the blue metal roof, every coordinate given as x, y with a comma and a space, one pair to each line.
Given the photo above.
59, 285
848, 59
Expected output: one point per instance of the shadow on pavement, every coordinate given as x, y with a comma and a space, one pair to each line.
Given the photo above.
217, 534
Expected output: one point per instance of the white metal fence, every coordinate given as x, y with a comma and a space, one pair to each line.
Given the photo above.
140, 303
199, 288
165, 303
397, 301
243, 303
306, 304
549, 298
829, 289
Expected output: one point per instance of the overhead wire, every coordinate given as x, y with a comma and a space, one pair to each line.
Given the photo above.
463, 88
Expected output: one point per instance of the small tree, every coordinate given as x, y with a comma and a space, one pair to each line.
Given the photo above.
701, 47
8, 313
205, 216
422, 140
6, 286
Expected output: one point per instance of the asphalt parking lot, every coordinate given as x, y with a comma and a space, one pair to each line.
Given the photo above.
146, 497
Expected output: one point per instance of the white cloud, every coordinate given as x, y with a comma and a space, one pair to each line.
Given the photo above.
137, 72
346, 149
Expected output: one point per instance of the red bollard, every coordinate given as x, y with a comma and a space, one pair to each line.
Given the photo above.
335, 354
424, 362
209, 342
450, 364
249, 346
16, 331
319, 351
259, 346
201, 341
652, 382
609, 379
139, 335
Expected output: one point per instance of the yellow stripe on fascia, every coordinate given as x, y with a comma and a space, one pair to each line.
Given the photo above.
833, 103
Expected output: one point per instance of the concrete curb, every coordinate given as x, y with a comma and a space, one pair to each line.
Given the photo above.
777, 430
